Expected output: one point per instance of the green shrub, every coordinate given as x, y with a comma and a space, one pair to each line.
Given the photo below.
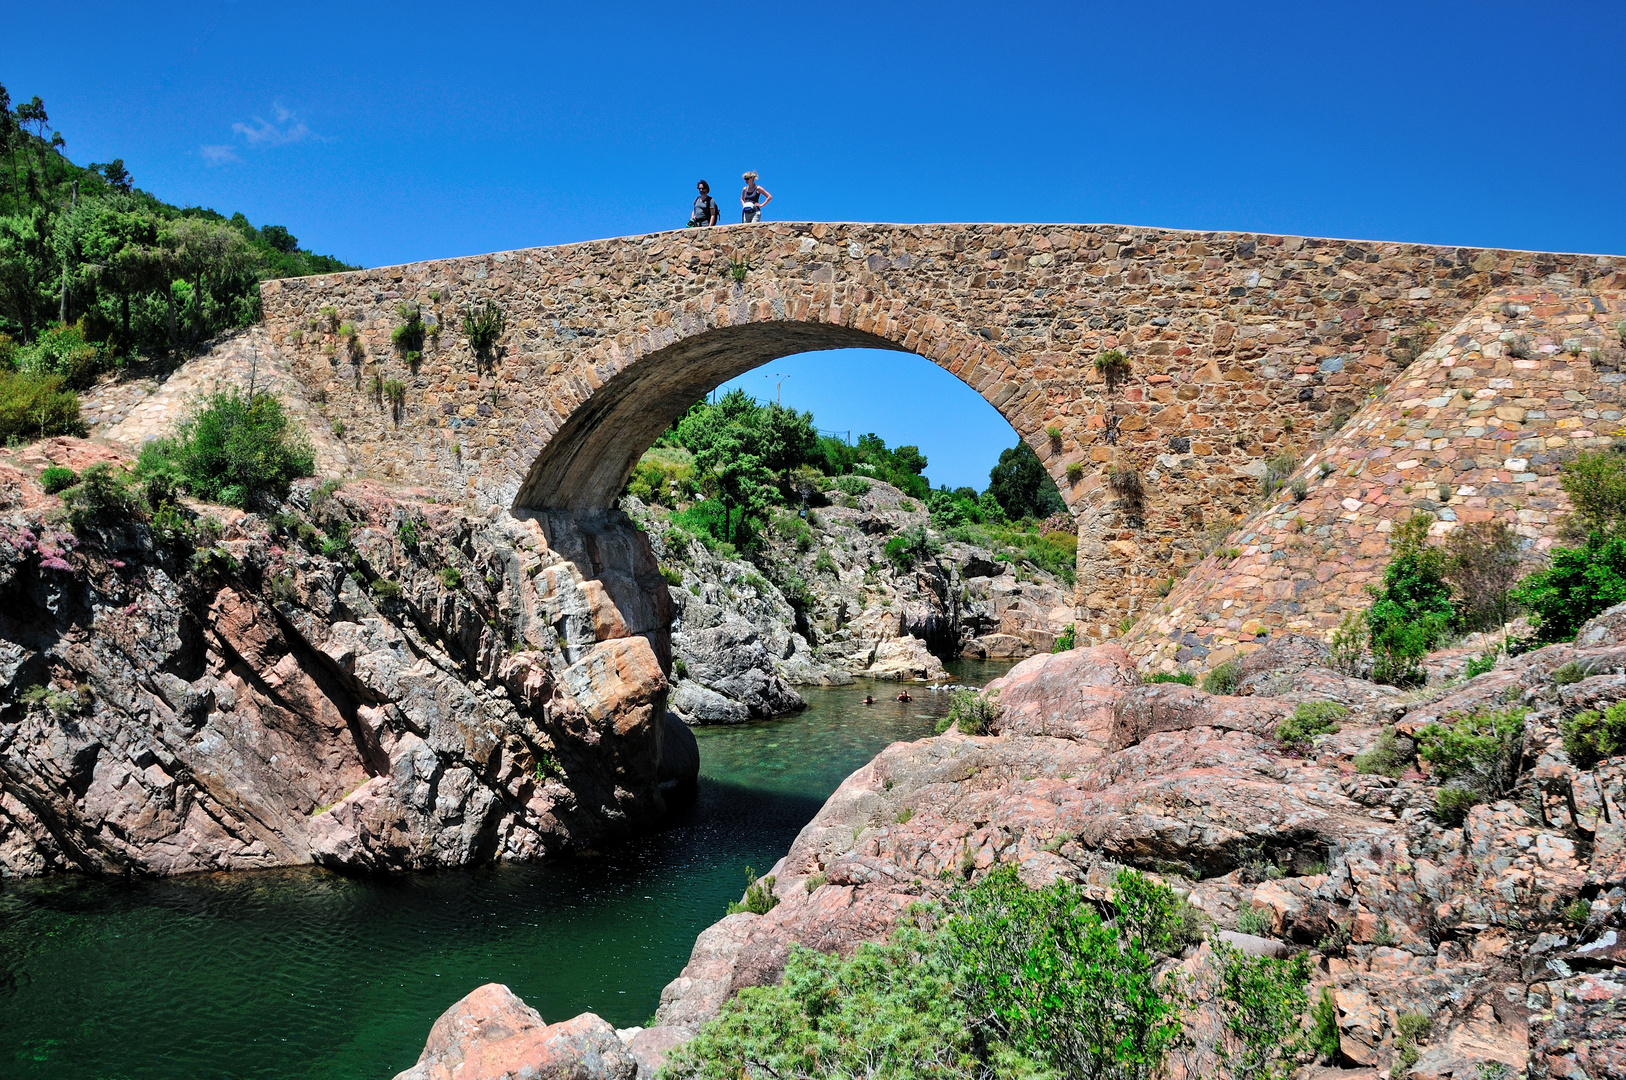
1262, 1002
1113, 366
1324, 1038
1577, 584
57, 478
1061, 984
408, 337
1223, 679
407, 533
1590, 736
1251, 920
910, 546
62, 350
1309, 719
1346, 646
824, 563
671, 575
1184, 678
1412, 608
1567, 674
232, 450
385, 589
1451, 804
450, 577
759, 897
1384, 757
1480, 750
105, 495
970, 712
1479, 665
886, 1011
37, 407
852, 485
1066, 640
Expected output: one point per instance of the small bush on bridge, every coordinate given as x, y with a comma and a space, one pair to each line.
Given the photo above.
1581, 582
482, 327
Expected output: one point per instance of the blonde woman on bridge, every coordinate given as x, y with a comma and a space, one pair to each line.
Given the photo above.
750, 208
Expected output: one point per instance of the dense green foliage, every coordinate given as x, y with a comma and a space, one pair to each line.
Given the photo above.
1580, 582
1002, 980
105, 495
1021, 486
1576, 585
1067, 640
36, 406
1590, 735
1184, 678
727, 464
119, 270
233, 450
1262, 1002
1411, 610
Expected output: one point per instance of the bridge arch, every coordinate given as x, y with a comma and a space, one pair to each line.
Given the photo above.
583, 466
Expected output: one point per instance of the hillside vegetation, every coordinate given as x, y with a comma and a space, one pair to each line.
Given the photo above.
95, 271
724, 469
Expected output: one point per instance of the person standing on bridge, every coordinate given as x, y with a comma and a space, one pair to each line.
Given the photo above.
750, 207
706, 211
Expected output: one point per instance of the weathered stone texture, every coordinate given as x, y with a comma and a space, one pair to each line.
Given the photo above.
1473, 431
1241, 346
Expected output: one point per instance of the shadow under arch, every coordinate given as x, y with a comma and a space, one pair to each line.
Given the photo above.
584, 466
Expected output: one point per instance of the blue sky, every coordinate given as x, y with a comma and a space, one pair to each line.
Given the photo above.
386, 133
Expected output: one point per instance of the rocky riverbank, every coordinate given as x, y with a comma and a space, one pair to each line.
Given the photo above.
365, 680
1501, 929
821, 603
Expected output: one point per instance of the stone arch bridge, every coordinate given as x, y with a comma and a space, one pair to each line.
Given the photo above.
1242, 347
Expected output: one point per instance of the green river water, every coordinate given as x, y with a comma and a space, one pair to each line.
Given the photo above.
305, 973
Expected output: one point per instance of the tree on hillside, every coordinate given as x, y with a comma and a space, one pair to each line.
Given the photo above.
1021, 486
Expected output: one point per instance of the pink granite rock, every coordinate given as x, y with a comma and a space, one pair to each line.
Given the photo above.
493, 1035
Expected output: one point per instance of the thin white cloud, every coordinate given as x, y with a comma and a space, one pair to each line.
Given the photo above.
284, 128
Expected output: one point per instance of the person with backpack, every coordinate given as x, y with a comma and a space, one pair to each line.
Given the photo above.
750, 207
706, 211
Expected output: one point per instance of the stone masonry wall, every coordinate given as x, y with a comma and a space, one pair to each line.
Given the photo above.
1242, 345
1474, 431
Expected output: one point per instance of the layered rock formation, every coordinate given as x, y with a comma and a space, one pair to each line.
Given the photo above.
365, 681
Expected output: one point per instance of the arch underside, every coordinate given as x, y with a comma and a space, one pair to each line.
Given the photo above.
586, 463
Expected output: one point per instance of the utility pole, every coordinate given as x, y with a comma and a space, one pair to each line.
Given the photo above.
62, 316
780, 377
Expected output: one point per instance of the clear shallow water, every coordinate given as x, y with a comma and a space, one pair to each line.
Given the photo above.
304, 973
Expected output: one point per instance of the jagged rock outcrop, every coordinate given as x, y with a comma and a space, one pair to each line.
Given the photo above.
365, 681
